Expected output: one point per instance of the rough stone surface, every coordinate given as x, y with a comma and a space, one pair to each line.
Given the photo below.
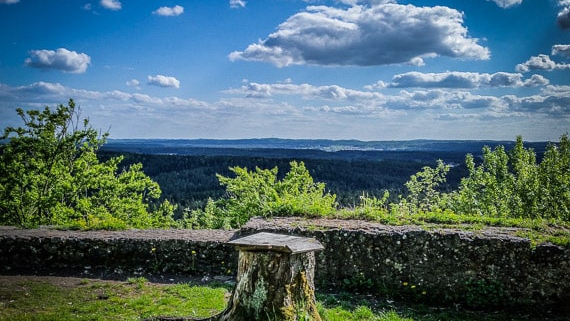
44, 250
481, 269
484, 268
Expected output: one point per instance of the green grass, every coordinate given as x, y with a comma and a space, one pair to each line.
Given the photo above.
93, 300
136, 299
536, 230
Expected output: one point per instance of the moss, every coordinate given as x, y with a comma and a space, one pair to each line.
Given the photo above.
259, 297
304, 306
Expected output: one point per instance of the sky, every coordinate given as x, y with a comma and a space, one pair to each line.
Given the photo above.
299, 69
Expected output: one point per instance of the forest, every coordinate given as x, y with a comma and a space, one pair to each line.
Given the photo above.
189, 180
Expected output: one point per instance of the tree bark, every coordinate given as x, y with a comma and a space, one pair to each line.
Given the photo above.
273, 286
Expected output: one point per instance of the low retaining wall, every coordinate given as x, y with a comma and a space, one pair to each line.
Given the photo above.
189, 252
479, 269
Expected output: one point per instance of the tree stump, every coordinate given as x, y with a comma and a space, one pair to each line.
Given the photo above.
275, 279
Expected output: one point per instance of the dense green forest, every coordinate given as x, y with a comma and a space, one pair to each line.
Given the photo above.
188, 181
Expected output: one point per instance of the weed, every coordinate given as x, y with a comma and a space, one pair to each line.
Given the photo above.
138, 281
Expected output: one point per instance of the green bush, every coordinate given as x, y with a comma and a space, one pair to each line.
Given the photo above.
50, 175
506, 188
260, 193
513, 184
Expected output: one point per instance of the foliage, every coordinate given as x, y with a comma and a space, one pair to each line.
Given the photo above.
261, 193
513, 184
190, 180
423, 192
50, 175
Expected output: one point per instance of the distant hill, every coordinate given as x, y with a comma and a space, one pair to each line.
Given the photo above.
305, 148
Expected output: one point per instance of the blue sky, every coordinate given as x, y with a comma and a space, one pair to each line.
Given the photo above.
346, 69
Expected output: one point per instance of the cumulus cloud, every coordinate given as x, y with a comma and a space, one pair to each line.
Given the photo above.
163, 81
350, 101
564, 14
111, 4
234, 4
133, 83
47, 93
457, 79
564, 18
169, 11
561, 50
307, 91
506, 3
540, 62
330, 92
406, 110
60, 59
536, 81
382, 34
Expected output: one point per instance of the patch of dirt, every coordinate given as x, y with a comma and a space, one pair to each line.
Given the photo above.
11, 281
74, 280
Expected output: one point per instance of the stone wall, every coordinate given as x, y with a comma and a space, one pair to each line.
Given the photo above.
188, 252
480, 269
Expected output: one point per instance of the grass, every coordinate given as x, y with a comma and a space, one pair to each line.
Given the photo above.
536, 230
96, 300
136, 299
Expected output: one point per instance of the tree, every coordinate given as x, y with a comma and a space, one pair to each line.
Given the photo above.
261, 193
513, 184
488, 190
50, 175
423, 187
554, 180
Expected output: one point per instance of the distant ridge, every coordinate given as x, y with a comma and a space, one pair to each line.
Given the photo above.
469, 146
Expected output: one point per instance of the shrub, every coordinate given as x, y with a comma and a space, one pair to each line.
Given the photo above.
50, 175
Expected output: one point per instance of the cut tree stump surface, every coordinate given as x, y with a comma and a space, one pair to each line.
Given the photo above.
277, 243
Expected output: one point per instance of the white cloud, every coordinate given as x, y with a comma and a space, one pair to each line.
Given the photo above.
457, 79
234, 4
349, 101
536, 81
540, 62
563, 18
60, 59
330, 111
378, 35
307, 91
561, 50
9, 1
506, 3
169, 11
111, 4
163, 81
133, 83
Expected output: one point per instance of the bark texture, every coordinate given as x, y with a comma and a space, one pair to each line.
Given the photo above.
273, 286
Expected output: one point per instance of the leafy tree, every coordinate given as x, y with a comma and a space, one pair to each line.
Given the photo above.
488, 188
554, 181
514, 185
261, 193
50, 175
423, 187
